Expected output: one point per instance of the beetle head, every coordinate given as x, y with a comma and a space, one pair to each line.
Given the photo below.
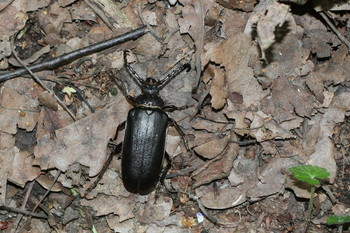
150, 86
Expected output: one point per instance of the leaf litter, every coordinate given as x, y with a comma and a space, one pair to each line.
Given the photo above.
268, 90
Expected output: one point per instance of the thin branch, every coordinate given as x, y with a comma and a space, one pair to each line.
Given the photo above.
48, 190
24, 203
72, 56
20, 211
335, 30
37, 79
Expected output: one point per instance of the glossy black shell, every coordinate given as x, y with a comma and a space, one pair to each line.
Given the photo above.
143, 148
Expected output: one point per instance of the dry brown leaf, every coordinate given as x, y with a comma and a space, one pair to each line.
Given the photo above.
83, 142
118, 226
154, 212
110, 184
6, 140
218, 89
6, 158
212, 147
105, 204
223, 198
53, 18
22, 169
337, 69
48, 100
271, 178
322, 47
324, 155
12, 19
46, 182
234, 54
18, 108
217, 169
64, 3
210, 125
286, 100
268, 16
300, 189
19, 166
245, 5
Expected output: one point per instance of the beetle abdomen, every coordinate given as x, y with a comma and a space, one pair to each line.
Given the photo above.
143, 149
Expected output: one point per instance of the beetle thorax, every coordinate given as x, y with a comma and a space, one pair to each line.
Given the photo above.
149, 100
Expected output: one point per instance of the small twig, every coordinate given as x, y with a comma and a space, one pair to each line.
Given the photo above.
48, 190
65, 59
20, 211
335, 30
183, 172
330, 194
260, 220
24, 203
37, 79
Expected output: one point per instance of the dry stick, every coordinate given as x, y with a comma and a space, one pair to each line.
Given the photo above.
41, 200
335, 30
65, 59
48, 190
37, 79
24, 212
24, 203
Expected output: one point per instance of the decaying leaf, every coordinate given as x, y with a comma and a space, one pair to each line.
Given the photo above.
272, 178
286, 100
18, 108
294, 103
234, 54
218, 90
218, 168
269, 16
209, 146
106, 204
245, 5
46, 182
84, 142
48, 100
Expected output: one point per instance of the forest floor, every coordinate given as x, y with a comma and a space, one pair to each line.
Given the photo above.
268, 89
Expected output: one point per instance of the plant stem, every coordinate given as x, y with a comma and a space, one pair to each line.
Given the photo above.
311, 204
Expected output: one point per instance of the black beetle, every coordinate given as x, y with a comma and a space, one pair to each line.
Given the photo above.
146, 128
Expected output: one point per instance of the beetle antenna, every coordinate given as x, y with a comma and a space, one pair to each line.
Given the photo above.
139, 81
173, 74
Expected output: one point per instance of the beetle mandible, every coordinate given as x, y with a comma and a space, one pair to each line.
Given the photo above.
146, 128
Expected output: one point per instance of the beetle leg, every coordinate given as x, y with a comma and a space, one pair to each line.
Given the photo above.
181, 132
171, 108
166, 169
114, 149
131, 100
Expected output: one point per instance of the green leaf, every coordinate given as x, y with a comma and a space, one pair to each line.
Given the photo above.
338, 220
309, 174
74, 192
94, 230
